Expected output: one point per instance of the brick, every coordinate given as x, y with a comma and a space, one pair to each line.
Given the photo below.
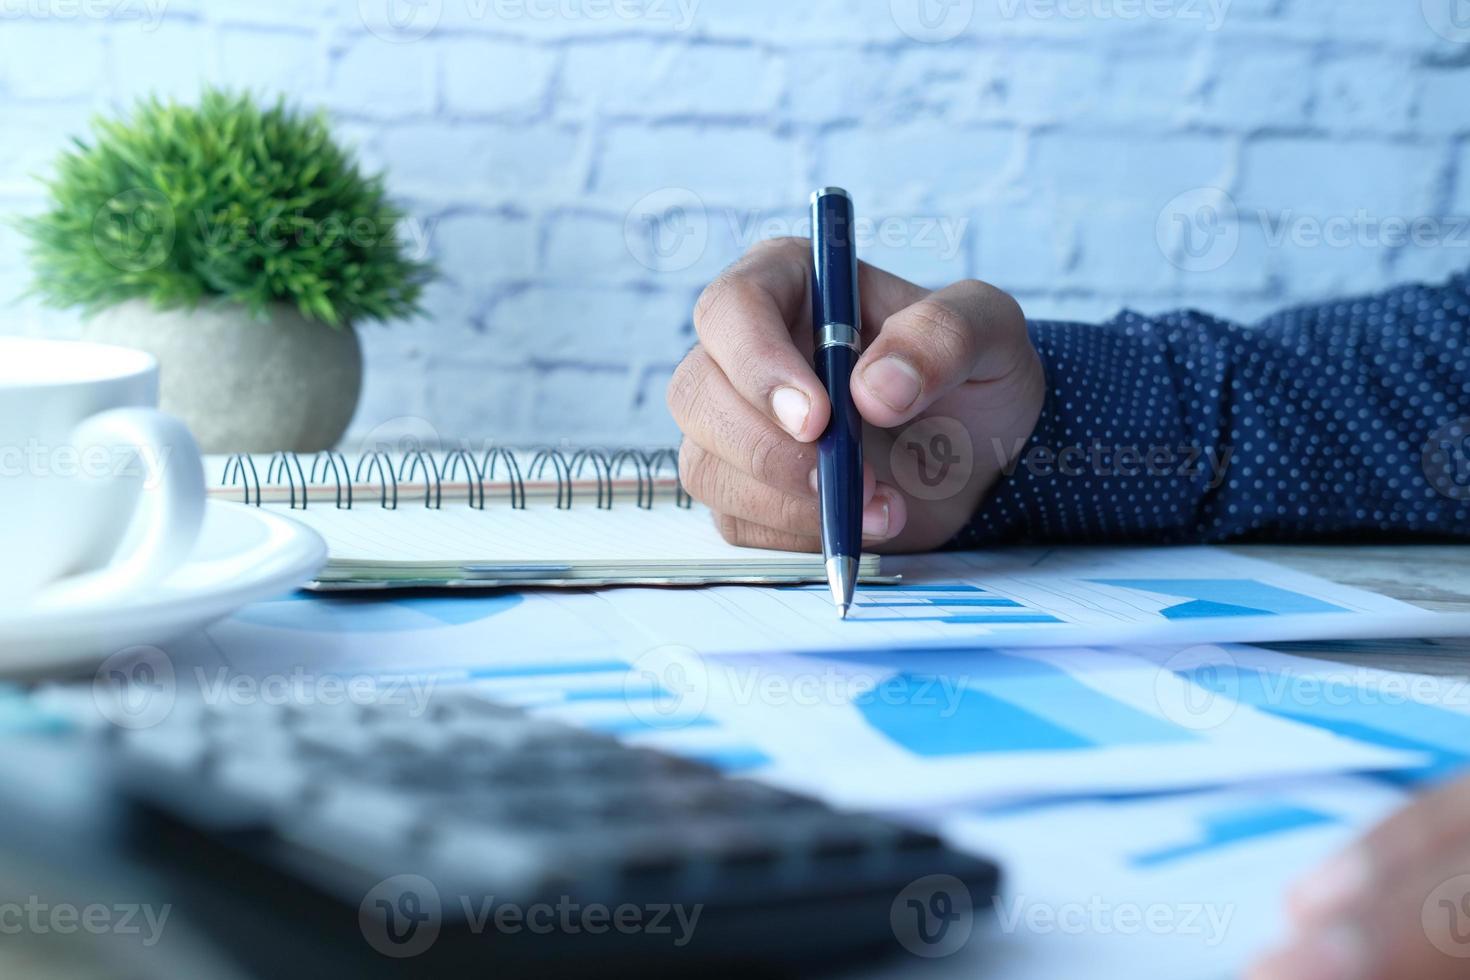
477, 403
1107, 167
1038, 85
1323, 179
1460, 203
585, 247
918, 165
1152, 89
1442, 96
1256, 86
177, 56
651, 421
51, 60
822, 21
1022, 247
929, 249
828, 84
719, 163
261, 59
272, 13
553, 20
483, 77
1118, 247
1365, 94
649, 78
35, 136
372, 77
473, 249
590, 324
600, 412
474, 162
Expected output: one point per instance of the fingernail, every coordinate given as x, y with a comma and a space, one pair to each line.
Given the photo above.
791, 407
812, 479
875, 518
894, 382
1336, 884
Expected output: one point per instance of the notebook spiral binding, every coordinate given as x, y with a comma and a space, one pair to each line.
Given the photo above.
417, 468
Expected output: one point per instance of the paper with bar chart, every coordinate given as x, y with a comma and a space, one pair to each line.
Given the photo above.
1034, 597
900, 729
1172, 880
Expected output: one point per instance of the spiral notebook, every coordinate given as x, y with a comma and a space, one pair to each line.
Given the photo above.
550, 517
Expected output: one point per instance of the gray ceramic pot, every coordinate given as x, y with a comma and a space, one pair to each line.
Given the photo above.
244, 384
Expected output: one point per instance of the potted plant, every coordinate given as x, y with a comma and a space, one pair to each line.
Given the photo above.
239, 244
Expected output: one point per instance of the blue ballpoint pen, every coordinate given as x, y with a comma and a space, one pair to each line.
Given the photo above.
835, 319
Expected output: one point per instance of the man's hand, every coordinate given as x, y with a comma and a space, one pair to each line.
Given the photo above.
948, 384
1393, 906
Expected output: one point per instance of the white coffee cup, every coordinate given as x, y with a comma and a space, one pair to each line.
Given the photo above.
101, 494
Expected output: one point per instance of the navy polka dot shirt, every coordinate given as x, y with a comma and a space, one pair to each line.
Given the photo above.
1346, 420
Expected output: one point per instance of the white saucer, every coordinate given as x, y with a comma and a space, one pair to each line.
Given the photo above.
244, 554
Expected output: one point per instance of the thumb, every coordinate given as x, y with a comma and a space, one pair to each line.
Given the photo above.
969, 331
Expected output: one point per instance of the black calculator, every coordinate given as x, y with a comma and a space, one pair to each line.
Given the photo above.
472, 839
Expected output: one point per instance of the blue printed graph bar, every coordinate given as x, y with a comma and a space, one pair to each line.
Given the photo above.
1356, 712
1219, 831
952, 603
943, 704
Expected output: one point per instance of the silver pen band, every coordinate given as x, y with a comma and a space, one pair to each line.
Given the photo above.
838, 335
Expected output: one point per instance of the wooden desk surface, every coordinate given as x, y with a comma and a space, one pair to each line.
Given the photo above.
1430, 576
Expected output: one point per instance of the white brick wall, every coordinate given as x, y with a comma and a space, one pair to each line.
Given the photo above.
1035, 143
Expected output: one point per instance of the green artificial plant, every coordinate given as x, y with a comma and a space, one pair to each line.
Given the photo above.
229, 199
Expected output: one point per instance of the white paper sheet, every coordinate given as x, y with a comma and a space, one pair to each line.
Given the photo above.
1034, 597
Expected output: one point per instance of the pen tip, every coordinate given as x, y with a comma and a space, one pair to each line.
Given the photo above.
842, 610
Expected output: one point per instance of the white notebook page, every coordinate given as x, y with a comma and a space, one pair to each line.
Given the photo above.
415, 535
